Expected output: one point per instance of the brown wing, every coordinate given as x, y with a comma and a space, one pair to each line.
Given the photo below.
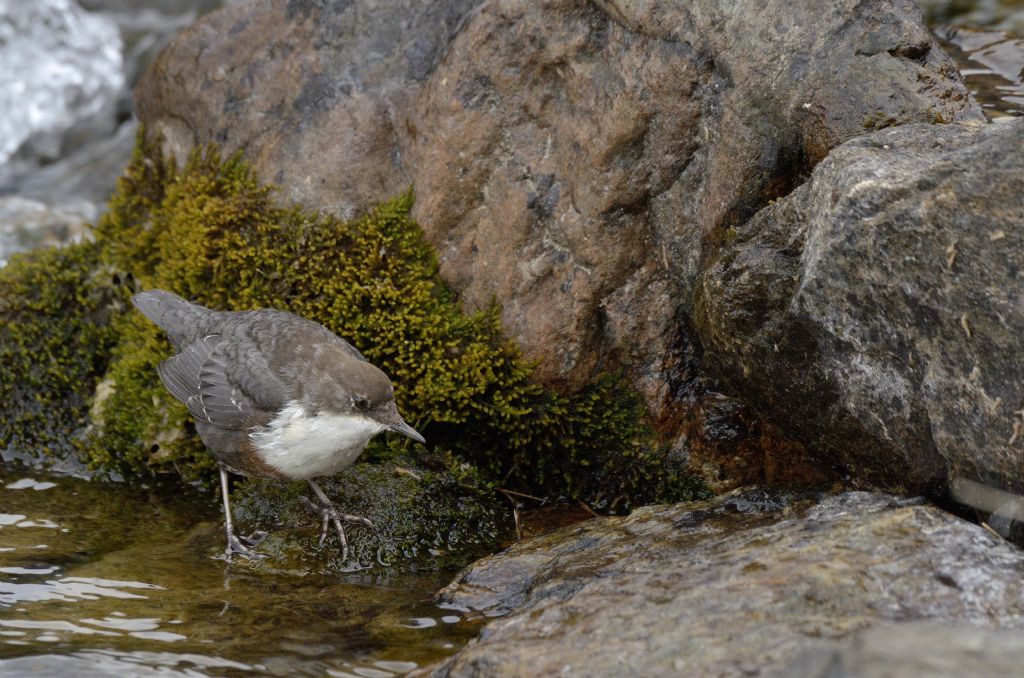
221, 385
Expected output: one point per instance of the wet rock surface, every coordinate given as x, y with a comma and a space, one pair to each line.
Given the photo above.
874, 313
741, 584
916, 650
570, 159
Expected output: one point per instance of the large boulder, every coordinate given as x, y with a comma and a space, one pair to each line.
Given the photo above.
739, 585
875, 312
312, 91
571, 159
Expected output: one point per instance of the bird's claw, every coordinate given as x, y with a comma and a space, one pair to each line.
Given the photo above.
358, 520
330, 515
254, 539
242, 546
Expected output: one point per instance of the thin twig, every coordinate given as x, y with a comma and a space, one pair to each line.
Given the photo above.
993, 531
510, 472
521, 494
588, 509
402, 471
515, 512
519, 528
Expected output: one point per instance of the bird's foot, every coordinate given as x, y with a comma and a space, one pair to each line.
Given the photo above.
254, 539
243, 546
331, 515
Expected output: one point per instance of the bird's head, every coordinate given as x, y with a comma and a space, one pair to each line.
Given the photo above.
355, 388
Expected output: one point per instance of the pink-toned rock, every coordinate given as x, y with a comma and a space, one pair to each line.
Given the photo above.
573, 161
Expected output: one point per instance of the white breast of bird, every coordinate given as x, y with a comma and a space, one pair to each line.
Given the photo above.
301, 446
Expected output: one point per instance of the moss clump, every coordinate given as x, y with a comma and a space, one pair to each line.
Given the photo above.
420, 515
55, 341
878, 120
212, 233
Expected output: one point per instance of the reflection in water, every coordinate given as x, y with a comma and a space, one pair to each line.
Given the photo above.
29, 483
107, 580
64, 589
992, 63
89, 663
1003, 15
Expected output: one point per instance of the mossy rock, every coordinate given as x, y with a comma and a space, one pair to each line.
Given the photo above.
56, 334
422, 518
211, 232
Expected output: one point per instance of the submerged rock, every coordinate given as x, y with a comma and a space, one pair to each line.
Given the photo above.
875, 312
738, 585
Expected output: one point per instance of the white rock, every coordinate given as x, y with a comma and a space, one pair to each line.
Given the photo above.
60, 67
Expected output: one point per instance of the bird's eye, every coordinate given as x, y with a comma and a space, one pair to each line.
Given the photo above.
361, 403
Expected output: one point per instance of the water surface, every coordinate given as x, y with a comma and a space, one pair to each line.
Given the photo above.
984, 37
99, 579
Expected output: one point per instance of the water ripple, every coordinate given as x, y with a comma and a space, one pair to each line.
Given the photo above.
69, 588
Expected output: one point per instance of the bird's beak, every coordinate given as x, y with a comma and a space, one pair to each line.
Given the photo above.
406, 430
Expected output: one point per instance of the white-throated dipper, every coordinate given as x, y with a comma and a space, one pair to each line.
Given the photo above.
274, 396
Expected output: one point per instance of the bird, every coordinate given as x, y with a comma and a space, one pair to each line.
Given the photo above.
273, 395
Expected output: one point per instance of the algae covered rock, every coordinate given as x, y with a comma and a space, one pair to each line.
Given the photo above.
211, 231
422, 517
56, 335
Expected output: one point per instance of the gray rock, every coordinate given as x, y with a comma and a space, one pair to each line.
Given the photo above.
739, 585
876, 312
88, 174
916, 650
71, 163
56, 204
27, 224
570, 159
60, 74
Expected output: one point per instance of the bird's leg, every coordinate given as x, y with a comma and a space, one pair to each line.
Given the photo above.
329, 512
241, 546
315, 508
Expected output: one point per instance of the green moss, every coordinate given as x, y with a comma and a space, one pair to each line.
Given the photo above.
877, 120
212, 233
55, 340
420, 515
138, 427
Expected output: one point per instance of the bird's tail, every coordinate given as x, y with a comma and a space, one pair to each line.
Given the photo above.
182, 320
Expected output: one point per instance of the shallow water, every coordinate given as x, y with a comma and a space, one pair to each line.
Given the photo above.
986, 40
992, 63
99, 579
